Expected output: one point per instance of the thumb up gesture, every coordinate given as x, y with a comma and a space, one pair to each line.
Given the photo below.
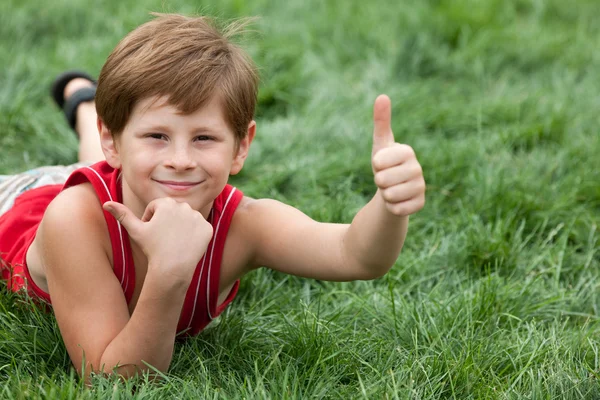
398, 174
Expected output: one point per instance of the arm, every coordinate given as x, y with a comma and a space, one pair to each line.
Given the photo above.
377, 233
291, 242
88, 301
386, 233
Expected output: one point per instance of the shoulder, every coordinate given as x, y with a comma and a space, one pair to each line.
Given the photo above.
251, 212
268, 211
74, 204
259, 223
257, 216
75, 216
251, 205
246, 229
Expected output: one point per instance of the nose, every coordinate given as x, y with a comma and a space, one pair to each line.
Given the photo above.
181, 159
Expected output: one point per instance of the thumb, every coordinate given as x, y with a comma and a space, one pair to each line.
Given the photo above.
382, 120
125, 216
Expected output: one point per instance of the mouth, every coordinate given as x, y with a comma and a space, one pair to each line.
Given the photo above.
179, 185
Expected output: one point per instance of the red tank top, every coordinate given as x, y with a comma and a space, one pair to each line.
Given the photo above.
19, 225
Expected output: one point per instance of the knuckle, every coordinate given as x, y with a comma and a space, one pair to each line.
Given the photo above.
397, 209
408, 151
388, 194
379, 179
417, 169
384, 195
159, 203
376, 161
405, 209
205, 230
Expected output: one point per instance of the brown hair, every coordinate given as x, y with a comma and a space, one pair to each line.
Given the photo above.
187, 59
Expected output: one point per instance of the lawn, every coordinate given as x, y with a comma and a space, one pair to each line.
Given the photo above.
496, 293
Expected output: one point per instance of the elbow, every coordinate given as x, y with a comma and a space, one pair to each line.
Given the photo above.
367, 270
377, 273
368, 264
107, 365
124, 372
372, 271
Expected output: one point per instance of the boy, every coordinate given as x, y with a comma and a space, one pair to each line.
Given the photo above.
150, 241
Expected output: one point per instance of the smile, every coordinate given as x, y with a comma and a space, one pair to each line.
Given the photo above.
177, 185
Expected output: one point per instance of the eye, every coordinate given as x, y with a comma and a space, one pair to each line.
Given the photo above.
156, 136
203, 138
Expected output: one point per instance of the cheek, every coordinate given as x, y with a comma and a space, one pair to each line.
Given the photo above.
217, 161
142, 161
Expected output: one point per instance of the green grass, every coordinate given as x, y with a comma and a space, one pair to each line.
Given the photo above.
496, 294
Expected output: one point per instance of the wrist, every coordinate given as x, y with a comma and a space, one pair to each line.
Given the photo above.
164, 283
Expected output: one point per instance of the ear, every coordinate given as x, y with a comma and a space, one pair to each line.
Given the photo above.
243, 148
109, 145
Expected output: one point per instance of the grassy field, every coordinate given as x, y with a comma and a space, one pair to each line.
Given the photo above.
496, 294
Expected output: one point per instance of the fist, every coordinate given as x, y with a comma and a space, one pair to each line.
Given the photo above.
398, 174
172, 235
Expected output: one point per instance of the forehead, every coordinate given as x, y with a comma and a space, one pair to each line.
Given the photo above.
158, 109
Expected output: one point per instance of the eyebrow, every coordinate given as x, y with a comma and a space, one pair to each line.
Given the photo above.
166, 128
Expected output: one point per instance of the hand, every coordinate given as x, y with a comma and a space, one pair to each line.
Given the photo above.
398, 174
172, 235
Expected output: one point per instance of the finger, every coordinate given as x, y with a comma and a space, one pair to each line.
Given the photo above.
149, 211
382, 121
161, 203
124, 215
408, 207
398, 174
392, 156
404, 191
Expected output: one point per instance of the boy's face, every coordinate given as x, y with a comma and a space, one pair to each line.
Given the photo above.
163, 153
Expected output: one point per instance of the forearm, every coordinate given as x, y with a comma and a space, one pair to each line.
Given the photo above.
375, 238
148, 337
